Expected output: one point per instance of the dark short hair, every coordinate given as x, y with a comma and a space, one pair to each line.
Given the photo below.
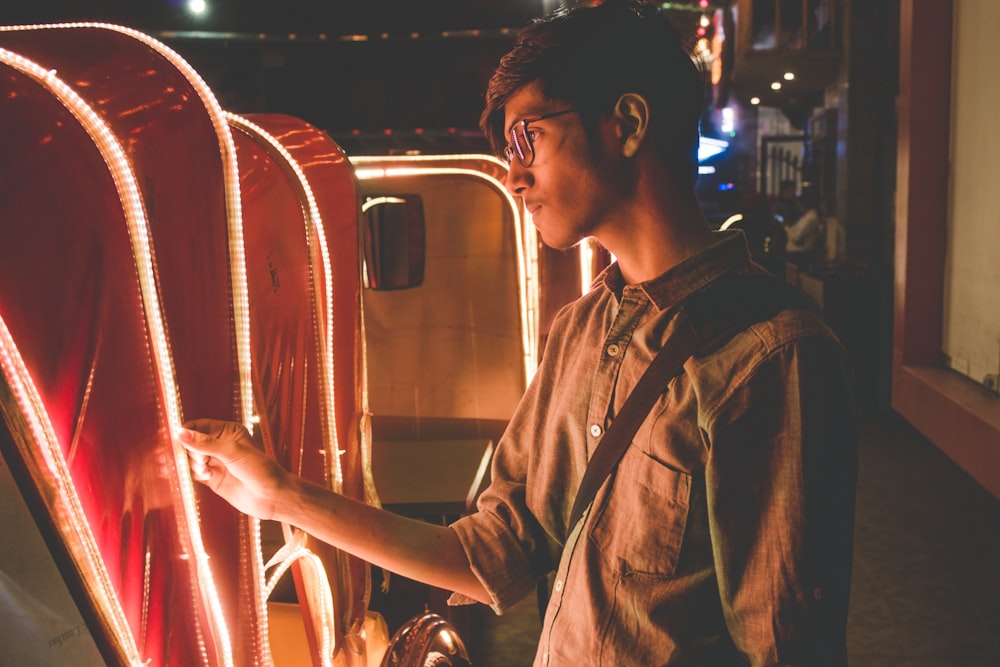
589, 56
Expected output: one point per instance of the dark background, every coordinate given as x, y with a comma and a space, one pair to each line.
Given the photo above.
377, 75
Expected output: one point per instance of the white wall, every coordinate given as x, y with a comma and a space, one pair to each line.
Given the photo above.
971, 336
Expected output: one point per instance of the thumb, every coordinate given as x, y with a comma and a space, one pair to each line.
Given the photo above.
218, 439
202, 447
209, 457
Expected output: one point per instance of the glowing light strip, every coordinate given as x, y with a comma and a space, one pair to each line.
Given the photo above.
237, 264
231, 178
683, 7
365, 421
532, 287
314, 573
315, 579
437, 157
527, 284
474, 33
586, 265
327, 360
63, 502
239, 294
375, 201
132, 205
314, 576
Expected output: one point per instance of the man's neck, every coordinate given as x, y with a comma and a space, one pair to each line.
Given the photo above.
657, 234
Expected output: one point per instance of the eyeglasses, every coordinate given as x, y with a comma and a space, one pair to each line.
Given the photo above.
522, 139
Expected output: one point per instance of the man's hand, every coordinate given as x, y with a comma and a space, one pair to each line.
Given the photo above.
224, 458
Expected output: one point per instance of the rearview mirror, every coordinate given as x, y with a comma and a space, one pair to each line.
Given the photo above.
394, 238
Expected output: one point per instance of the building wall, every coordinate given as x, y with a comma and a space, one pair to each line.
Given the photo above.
971, 336
958, 415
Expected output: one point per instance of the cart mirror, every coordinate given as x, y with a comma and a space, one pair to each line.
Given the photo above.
393, 241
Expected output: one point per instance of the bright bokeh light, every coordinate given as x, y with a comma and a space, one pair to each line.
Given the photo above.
728, 120
776, 85
789, 76
709, 147
197, 7
755, 101
730, 221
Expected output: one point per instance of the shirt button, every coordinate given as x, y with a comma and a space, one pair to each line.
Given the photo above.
558, 586
595, 430
613, 350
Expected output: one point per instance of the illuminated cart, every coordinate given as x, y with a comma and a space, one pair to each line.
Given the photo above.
161, 260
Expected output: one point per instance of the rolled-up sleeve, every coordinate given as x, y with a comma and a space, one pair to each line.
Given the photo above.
497, 559
504, 541
513, 539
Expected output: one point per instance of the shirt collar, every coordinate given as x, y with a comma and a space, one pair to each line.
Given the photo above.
729, 254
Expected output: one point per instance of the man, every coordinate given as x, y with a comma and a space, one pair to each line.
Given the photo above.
803, 229
724, 535
786, 205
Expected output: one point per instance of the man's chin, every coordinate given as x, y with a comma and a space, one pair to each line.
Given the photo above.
559, 242
561, 245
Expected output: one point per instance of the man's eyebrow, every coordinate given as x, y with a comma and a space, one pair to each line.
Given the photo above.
532, 112
526, 116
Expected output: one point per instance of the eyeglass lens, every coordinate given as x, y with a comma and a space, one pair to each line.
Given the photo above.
520, 145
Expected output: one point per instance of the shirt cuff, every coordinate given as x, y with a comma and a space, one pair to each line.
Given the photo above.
497, 560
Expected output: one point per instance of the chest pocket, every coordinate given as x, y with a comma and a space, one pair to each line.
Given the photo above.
640, 517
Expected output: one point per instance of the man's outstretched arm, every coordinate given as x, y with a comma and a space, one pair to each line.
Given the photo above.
224, 458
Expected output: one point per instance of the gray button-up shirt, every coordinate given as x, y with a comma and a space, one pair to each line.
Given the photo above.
724, 536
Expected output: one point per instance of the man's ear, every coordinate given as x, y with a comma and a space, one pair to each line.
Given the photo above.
632, 122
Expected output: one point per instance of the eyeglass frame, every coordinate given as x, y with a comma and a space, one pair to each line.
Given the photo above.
514, 147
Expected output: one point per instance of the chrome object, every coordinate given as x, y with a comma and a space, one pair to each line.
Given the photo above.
426, 640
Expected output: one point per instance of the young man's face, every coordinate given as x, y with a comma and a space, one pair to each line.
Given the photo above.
572, 188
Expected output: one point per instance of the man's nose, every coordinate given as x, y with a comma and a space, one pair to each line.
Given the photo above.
518, 178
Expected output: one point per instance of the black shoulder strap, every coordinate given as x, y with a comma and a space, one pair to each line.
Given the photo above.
708, 319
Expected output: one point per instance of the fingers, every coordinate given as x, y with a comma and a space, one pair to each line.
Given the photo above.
216, 448
218, 428
199, 467
200, 449
213, 438
196, 441
223, 457
210, 448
